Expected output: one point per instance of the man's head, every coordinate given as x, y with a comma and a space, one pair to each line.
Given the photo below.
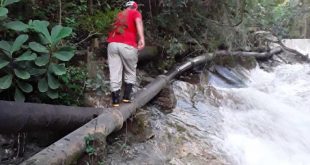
132, 5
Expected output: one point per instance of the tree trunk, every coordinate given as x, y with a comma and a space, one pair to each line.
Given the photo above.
90, 6
20, 117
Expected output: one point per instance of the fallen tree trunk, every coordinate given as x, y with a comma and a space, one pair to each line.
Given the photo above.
70, 148
251, 54
20, 117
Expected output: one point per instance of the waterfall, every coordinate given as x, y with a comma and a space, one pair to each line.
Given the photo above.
267, 122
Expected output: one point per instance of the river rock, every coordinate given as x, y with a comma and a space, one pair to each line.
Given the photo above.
166, 100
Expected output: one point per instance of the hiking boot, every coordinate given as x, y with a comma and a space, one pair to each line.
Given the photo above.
115, 98
127, 92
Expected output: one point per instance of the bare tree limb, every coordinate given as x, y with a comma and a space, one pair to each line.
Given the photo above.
252, 54
89, 36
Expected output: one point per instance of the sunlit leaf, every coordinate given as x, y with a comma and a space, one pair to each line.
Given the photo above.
53, 83
42, 60
4, 45
3, 12
25, 87
27, 56
59, 32
19, 96
41, 27
3, 63
59, 69
16, 25
22, 74
52, 94
6, 81
20, 40
64, 54
42, 85
38, 47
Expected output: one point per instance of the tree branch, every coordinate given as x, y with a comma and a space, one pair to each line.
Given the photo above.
89, 36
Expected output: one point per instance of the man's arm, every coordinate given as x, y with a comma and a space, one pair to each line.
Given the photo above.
140, 30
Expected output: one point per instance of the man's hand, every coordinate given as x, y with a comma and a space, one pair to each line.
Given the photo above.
141, 44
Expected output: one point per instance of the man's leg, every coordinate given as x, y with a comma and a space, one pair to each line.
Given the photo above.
129, 56
116, 70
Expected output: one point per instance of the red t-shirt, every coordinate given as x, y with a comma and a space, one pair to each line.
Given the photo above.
124, 29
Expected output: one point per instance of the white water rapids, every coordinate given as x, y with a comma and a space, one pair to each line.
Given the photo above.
269, 121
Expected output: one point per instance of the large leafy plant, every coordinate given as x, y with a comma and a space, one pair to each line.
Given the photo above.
100, 22
25, 62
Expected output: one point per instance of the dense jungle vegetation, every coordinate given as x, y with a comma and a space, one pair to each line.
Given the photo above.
41, 39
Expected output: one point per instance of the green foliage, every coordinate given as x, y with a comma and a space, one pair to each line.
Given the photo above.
100, 22
26, 62
272, 15
98, 85
187, 27
89, 140
176, 47
73, 86
73, 11
3, 10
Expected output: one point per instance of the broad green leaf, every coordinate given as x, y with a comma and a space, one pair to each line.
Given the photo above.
19, 96
6, 81
41, 27
3, 12
20, 40
52, 94
8, 2
22, 74
27, 56
59, 69
25, 87
59, 32
42, 60
53, 83
16, 25
3, 63
64, 54
42, 85
4, 45
43, 40
38, 47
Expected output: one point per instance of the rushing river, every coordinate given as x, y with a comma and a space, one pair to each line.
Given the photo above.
267, 121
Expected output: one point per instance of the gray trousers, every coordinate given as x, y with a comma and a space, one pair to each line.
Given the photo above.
122, 57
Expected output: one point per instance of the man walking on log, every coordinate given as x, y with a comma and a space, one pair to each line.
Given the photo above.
125, 39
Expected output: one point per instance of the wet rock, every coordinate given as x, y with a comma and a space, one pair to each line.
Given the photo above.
91, 99
166, 100
283, 58
233, 61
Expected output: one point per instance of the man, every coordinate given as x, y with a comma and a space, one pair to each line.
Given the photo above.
125, 39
